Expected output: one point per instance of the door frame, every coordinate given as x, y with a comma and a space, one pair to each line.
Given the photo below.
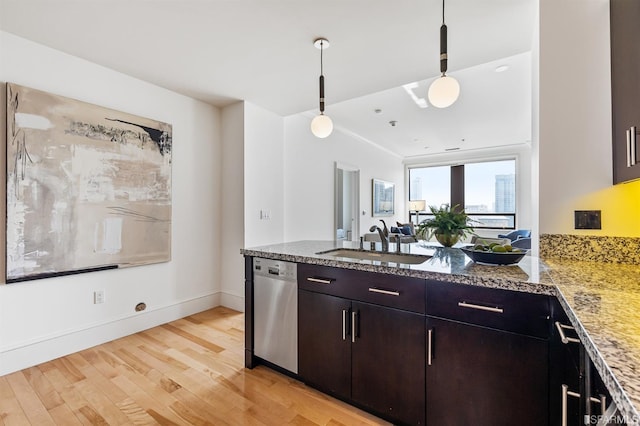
355, 200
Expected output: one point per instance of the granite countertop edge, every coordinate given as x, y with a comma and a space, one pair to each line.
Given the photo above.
618, 394
544, 284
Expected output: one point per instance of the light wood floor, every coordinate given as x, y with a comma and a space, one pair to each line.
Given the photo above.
188, 372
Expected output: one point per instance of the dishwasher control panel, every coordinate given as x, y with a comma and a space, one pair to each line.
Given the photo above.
275, 268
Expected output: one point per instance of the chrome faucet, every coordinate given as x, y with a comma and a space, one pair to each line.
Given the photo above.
383, 238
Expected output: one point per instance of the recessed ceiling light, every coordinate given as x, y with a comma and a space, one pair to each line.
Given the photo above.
378, 111
502, 68
452, 149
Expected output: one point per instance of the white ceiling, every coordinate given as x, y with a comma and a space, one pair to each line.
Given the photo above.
262, 51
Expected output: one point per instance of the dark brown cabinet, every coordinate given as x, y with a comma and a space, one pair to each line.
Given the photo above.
387, 362
324, 342
487, 356
371, 354
417, 351
577, 394
564, 370
625, 88
481, 376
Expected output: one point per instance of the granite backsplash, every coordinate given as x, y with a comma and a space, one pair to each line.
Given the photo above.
590, 248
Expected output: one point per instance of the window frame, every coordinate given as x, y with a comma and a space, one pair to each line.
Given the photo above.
458, 192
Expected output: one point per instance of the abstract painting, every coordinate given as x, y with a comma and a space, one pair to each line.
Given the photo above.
88, 188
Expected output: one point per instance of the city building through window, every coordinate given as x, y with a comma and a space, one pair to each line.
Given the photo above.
486, 190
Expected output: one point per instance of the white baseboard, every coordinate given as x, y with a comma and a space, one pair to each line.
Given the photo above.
232, 301
19, 358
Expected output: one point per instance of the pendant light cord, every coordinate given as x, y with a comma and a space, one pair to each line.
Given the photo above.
443, 44
321, 79
321, 49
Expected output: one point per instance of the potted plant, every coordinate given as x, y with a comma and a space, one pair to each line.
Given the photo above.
448, 225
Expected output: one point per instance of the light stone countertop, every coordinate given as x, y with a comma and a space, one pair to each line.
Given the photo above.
602, 300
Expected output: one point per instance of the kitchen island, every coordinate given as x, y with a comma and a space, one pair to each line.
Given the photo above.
602, 301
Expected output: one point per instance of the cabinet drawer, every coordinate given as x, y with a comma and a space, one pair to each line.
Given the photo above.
381, 289
507, 310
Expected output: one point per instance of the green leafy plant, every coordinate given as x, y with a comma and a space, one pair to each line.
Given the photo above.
448, 224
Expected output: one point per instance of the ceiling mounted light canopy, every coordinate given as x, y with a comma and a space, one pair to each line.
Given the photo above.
444, 91
321, 125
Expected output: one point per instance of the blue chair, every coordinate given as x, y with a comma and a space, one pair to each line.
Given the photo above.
517, 234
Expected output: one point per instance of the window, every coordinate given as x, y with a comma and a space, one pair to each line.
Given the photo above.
432, 184
487, 190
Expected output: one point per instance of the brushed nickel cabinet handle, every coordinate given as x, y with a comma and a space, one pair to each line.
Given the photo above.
563, 337
633, 145
565, 390
629, 147
566, 393
602, 401
344, 324
495, 309
381, 291
354, 316
320, 280
429, 346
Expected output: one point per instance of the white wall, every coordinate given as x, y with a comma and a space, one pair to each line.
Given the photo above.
309, 179
44, 319
575, 108
253, 182
535, 138
232, 231
264, 176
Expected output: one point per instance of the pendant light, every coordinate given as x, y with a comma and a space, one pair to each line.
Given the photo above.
321, 125
444, 91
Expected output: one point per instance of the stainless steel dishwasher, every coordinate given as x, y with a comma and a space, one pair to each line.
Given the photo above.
275, 312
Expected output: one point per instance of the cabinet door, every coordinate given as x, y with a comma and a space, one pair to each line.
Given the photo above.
564, 370
324, 342
480, 376
625, 85
388, 362
598, 394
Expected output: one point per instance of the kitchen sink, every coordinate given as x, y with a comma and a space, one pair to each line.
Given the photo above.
409, 259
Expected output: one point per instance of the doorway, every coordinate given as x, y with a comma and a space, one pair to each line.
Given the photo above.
347, 203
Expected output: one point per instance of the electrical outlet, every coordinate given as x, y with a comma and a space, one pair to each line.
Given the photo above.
98, 297
587, 219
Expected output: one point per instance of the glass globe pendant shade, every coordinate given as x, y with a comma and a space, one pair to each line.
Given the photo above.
443, 92
321, 126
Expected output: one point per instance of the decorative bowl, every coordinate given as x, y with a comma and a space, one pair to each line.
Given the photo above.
492, 258
447, 240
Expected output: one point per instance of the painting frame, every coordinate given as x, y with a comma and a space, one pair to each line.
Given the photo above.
382, 198
87, 187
